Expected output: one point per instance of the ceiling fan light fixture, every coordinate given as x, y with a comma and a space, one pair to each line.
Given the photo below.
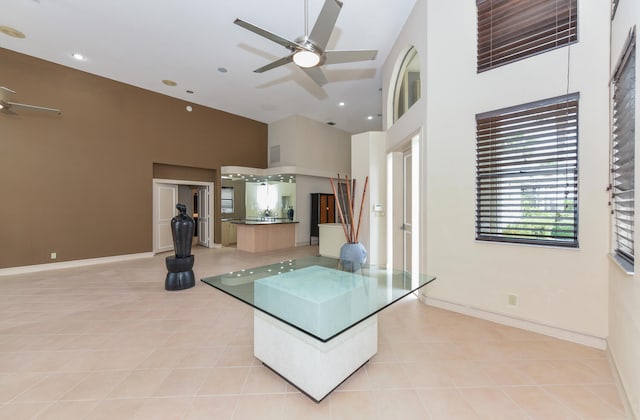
306, 59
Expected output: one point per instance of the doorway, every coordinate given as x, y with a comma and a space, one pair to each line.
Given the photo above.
404, 204
406, 210
166, 194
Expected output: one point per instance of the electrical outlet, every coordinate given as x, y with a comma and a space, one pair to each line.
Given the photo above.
512, 300
54, 255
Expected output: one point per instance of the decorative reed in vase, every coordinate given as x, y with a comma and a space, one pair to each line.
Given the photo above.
352, 254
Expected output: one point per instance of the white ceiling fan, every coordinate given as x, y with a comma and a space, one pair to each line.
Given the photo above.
308, 51
8, 107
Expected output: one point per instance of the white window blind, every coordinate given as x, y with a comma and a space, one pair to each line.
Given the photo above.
510, 30
227, 200
527, 173
623, 161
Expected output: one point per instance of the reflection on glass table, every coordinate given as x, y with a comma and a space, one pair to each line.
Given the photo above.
315, 324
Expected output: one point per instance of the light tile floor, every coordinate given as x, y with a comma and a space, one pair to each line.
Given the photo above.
108, 342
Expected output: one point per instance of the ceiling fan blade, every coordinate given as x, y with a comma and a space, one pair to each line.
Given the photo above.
6, 93
316, 74
280, 62
348, 56
326, 21
14, 105
269, 35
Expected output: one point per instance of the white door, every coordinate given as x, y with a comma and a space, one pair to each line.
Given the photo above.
204, 215
407, 210
166, 198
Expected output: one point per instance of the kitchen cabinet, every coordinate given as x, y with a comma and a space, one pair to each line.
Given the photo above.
228, 233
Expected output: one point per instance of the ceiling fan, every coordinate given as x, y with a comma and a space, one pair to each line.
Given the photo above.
8, 107
308, 51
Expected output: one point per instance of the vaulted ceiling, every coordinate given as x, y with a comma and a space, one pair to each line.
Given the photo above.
196, 44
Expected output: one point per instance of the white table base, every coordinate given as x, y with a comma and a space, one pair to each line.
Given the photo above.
316, 368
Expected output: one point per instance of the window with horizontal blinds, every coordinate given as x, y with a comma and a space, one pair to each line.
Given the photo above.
527, 173
623, 151
510, 30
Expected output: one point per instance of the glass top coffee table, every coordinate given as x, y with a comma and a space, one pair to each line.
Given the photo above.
315, 324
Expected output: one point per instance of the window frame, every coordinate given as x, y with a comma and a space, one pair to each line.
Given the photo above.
402, 83
515, 152
512, 34
623, 212
226, 209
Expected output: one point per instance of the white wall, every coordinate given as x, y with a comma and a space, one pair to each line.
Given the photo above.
310, 144
624, 289
368, 158
305, 186
562, 288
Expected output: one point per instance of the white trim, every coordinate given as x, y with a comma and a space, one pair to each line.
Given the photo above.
563, 334
209, 185
72, 264
626, 401
619, 264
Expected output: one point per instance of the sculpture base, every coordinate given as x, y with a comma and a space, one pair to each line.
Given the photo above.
180, 281
180, 275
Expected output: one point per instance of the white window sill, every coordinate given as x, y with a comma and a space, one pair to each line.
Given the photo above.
622, 265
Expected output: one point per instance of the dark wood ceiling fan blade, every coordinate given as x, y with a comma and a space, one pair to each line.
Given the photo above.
316, 75
348, 56
269, 35
279, 62
325, 23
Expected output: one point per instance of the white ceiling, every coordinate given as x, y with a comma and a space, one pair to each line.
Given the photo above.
142, 42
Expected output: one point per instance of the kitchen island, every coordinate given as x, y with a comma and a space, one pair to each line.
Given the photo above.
267, 234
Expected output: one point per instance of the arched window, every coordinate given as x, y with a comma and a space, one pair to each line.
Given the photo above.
407, 90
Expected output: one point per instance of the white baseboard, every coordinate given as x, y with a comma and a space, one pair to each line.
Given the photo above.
71, 264
626, 401
575, 337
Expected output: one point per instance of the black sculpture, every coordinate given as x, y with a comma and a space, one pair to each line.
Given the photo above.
180, 266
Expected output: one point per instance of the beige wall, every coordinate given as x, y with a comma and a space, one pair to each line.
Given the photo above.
239, 210
624, 289
80, 184
310, 144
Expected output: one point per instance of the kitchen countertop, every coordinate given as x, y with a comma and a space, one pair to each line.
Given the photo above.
263, 221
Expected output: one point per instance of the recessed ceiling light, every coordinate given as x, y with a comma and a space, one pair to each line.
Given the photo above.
341, 104
370, 117
169, 82
12, 32
222, 70
78, 56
